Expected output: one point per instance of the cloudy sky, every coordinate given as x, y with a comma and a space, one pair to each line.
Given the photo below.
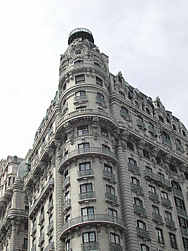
146, 40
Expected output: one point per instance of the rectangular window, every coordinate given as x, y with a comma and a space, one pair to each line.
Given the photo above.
168, 216
185, 243
179, 203
160, 237
183, 222
112, 212
164, 195
89, 237
86, 188
110, 190
82, 130
79, 78
115, 238
67, 245
25, 243
156, 210
173, 242
80, 93
152, 189
87, 211
99, 81
83, 147
107, 168
104, 132
84, 166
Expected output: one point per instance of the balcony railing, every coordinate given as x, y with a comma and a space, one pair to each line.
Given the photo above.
111, 197
170, 224
184, 231
134, 169
85, 173
139, 210
166, 203
136, 188
182, 212
143, 234
115, 247
87, 151
158, 179
157, 218
88, 195
177, 192
90, 246
93, 218
154, 197
109, 176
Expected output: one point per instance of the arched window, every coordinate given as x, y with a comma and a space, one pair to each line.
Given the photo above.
138, 202
130, 146
124, 113
166, 138
132, 163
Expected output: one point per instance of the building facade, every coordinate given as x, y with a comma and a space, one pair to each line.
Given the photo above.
108, 169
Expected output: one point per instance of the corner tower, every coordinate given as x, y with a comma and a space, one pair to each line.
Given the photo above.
88, 136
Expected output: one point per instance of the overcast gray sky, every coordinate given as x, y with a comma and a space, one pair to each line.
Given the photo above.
145, 39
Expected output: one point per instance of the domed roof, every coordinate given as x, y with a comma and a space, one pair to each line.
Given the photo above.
80, 33
23, 169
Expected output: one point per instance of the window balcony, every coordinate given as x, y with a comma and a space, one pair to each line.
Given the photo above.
89, 151
143, 234
184, 231
154, 197
177, 192
66, 182
85, 173
182, 212
89, 195
140, 211
136, 188
166, 203
115, 247
90, 246
157, 218
109, 176
170, 224
156, 178
91, 219
134, 169
111, 198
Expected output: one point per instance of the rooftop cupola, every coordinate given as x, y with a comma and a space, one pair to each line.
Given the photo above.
82, 33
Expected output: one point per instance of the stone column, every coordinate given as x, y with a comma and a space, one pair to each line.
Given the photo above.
58, 205
126, 202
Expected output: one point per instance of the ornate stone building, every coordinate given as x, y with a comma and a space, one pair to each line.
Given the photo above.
107, 171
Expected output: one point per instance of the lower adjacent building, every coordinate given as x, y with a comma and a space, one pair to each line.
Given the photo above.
108, 169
